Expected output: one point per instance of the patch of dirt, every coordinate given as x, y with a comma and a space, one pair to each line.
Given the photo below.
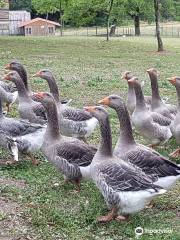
12, 183
165, 53
13, 226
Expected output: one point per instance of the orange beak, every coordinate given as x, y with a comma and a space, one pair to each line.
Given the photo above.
7, 77
38, 74
105, 101
172, 80
8, 66
90, 109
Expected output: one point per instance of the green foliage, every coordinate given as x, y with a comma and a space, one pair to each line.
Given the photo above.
52, 212
83, 13
20, 5
177, 10
142, 8
167, 9
49, 6
2, 3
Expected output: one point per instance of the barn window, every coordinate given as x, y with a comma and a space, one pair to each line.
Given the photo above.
51, 29
28, 31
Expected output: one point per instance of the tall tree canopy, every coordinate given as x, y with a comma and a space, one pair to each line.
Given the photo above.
20, 5
2, 3
84, 13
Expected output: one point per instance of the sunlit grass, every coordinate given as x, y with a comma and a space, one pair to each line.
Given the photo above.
88, 69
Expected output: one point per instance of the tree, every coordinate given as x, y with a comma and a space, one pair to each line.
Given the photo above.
167, 9
157, 17
86, 13
177, 10
108, 17
138, 9
20, 5
50, 6
2, 3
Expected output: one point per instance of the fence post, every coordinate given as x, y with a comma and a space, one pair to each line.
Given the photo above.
162, 31
87, 31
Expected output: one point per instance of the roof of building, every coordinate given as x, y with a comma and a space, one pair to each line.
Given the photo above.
23, 24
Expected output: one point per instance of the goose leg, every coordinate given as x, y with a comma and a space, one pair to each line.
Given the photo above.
150, 205
175, 154
121, 218
11, 162
77, 183
8, 107
33, 160
107, 218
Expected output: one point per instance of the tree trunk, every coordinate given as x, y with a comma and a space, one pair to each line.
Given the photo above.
107, 21
137, 25
107, 29
60, 18
158, 34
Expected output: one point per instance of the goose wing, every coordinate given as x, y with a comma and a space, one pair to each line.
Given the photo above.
18, 127
39, 110
123, 177
76, 114
160, 119
8, 87
152, 163
76, 153
71, 171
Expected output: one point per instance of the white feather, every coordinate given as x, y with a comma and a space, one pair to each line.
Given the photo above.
134, 201
91, 125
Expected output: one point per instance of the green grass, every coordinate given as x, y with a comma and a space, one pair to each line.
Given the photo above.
88, 69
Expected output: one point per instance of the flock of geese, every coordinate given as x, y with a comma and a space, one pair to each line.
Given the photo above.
128, 176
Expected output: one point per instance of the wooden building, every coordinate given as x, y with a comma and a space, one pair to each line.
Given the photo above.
38, 27
4, 19
15, 19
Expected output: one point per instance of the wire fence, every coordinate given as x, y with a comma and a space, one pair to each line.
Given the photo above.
148, 30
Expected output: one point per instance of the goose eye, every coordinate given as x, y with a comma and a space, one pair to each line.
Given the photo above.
113, 98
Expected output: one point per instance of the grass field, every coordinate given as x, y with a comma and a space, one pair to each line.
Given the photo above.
34, 204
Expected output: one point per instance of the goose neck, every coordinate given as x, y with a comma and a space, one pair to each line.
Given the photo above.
140, 101
22, 91
155, 88
53, 128
105, 148
178, 96
53, 87
126, 134
23, 74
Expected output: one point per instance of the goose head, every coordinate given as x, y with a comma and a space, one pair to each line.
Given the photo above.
152, 72
14, 66
45, 98
175, 81
127, 75
12, 76
112, 101
44, 73
134, 81
98, 112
